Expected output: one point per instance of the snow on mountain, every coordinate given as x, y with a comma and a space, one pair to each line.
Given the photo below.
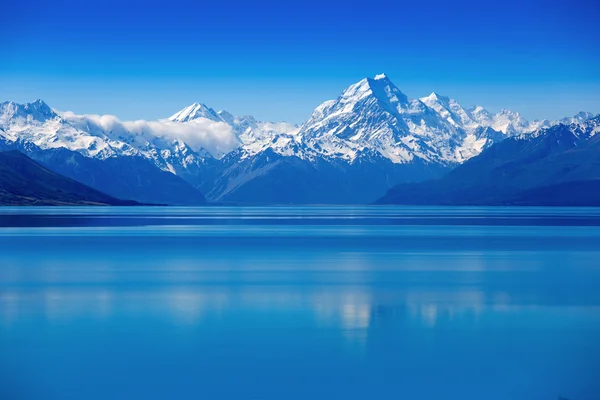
553, 166
254, 136
579, 118
373, 115
195, 111
37, 123
38, 111
246, 126
206, 137
450, 110
169, 145
372, 120
508, 122
190, 148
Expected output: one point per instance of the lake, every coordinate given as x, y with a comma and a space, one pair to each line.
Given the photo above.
300, 303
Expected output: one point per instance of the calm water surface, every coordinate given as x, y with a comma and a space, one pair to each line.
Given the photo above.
300, 303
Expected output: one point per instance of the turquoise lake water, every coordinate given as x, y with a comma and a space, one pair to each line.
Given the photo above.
300, 303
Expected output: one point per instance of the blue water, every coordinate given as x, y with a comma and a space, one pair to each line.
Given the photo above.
300, 303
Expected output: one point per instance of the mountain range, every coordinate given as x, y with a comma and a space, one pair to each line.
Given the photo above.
556, 166
351, 150
26, 182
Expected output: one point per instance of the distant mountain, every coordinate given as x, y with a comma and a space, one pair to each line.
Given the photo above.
246, 127
195, 111
351, 149
123, 177
100, 137
268, 177
373, 115
26, 182
555, 166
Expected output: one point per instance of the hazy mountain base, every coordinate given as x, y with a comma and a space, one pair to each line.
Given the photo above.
561, 166
292, 180
26, 182
131, 178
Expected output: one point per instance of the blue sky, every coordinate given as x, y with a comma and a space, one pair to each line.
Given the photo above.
279, 60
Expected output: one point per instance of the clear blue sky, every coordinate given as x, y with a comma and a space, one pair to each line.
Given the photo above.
279, 60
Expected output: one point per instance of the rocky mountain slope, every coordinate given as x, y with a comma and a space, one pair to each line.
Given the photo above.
26, 182
351, 150
559, 165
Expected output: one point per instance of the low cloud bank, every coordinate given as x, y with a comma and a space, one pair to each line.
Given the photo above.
217, 138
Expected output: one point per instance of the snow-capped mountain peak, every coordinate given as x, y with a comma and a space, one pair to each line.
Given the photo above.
450, 110
505, 121
435, 97
374, 116
380, 87
193, 111
39, 107
368, 96
226, 117
478, 110
252, 135
37, 111
578, 118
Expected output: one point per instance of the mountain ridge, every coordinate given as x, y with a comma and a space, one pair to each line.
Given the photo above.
26, 182
371, 125
531, 170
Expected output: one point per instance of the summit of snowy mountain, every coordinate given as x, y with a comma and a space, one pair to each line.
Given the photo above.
580, 117
380, 88
451, 111
506, 121
35, 112
226, 117
435, 97
39, 109
105, 136
373, 116
252, 135
194, 111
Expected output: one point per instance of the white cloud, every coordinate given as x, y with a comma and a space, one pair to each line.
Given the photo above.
217, 138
